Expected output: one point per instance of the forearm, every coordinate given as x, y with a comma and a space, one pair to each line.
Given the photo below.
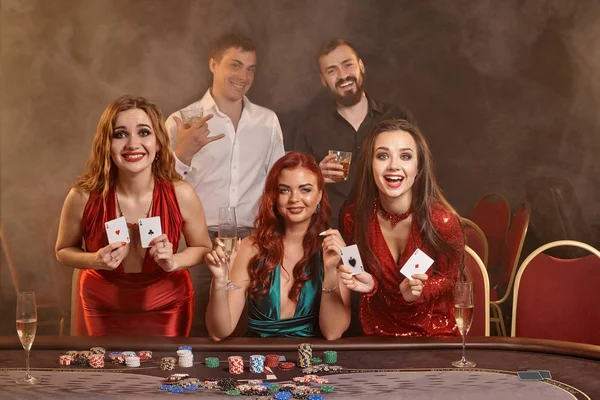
76, 257
218, 313
334, 313
190, 257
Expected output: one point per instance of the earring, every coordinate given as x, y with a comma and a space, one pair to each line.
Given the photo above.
157, 157
318, 209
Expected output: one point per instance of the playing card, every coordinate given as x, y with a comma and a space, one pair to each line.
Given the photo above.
116, 230
351, 259
530, 375
544, 372
149, 229
418, 263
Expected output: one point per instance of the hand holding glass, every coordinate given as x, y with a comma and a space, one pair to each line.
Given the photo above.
344, 158
26, 328
228, 238
191, 114
463, 313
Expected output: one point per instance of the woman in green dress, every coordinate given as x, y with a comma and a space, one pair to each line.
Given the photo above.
287, 270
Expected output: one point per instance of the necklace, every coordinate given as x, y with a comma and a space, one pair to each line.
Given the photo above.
393, 218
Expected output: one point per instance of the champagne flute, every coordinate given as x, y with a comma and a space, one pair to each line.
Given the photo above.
26, 327
228, 238
463, 312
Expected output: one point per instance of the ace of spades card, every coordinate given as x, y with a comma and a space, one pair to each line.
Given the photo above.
116, 230
351, 259
149, 229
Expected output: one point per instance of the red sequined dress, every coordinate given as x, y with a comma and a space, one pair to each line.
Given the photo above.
384, 311
150, 303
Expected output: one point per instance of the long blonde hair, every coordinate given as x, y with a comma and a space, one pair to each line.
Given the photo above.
101, 171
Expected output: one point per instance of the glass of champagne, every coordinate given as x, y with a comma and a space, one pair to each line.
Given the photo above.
26, 327
228, 238
463, 312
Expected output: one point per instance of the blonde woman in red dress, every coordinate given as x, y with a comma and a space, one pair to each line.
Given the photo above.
125, 289
398, 207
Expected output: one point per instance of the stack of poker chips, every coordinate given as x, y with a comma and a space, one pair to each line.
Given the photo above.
272, 360
257, 364
144, 355
236, 365
211, 362
96, 360
129, 353
330, 357
65, 359
117, 357
186, 358
168, 363
304, 354
132, 361
98, 350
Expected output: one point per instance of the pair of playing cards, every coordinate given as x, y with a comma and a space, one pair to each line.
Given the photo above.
117, 231
534, 375
418, 263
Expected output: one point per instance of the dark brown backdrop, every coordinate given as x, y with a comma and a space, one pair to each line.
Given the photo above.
505, 91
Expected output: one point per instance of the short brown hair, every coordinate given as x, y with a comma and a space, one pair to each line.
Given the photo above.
228, 41
333, 44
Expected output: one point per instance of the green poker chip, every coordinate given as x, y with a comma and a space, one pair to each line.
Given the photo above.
330, 356
233, 392
211, 362
274, 388
316, 360
327, 389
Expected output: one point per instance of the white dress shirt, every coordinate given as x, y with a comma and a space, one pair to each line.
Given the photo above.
231, 171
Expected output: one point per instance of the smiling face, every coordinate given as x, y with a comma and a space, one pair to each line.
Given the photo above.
233, 74
133, 145
342, 73
395, 164
299, 195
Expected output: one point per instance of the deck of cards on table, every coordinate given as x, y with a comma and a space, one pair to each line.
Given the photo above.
418, 263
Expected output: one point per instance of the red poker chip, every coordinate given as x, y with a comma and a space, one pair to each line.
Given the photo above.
286, 365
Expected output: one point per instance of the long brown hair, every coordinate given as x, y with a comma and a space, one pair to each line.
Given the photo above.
269, 229
101, 171
425, 193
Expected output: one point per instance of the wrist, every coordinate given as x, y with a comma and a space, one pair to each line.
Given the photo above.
184, 157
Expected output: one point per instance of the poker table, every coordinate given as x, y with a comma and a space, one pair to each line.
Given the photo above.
372, 368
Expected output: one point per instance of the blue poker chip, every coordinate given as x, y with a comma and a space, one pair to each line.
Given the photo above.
185, 348
191, 387
283, 395
176, 389
315, 397
267, 384
165, 387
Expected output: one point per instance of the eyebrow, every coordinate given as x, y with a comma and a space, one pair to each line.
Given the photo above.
301, 186
335, 65
138, 126
385, 148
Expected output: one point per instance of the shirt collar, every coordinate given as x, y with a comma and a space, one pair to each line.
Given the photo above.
373, 106
208, 102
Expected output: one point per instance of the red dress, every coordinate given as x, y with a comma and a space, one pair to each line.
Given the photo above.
384, 311
150, 303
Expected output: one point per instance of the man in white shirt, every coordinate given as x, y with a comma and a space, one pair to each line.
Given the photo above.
227, 154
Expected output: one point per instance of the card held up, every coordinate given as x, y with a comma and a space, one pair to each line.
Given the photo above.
351, 259
149, 229
418, 263
116, 230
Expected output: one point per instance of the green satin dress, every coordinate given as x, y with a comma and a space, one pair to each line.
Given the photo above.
264, 312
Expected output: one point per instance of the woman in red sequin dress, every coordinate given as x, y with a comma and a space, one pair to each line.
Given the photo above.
398, 208
125, 289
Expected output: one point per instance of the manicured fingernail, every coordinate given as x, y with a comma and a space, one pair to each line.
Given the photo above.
123, 243
151, 243
323, 233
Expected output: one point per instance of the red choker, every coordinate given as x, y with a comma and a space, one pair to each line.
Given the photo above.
393, 218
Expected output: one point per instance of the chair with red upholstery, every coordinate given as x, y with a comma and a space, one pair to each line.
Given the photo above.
477, 274
491, 213
509, 264
475, 239
557, 298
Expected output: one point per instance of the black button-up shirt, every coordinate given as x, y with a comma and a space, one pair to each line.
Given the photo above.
328, 130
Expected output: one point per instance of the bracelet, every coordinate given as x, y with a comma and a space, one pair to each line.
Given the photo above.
329, 290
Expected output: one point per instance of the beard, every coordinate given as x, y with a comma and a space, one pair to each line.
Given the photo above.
349, 99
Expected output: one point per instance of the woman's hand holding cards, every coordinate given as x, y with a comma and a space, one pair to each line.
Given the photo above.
332, 243
162, 253
411, 289
362, 283
110, 257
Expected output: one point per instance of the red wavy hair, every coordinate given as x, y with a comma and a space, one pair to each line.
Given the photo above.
269, 229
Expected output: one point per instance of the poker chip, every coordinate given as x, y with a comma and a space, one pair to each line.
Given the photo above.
283, 395
300, 379
272, 360
327, 389
330, 356
98, 350
274, 388
168, 363
236, 365
72, 353
65, 360
129, 353
286, 365
96, 360
257, 364
132, 361
211, 362
233, 392
144, 355
255, 382
175, 389
304, 354
189, 348
321, 381
315, 397
316, 360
